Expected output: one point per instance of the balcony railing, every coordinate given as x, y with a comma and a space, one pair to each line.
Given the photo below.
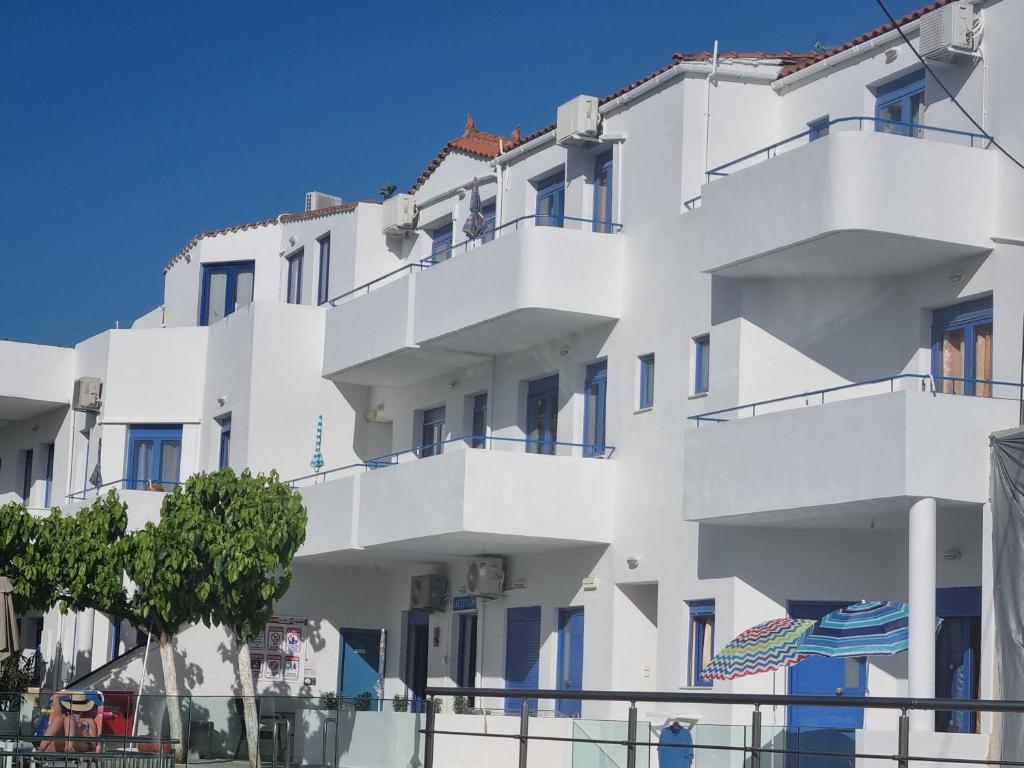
858, 123
951, 385
468, 442
124, 484
540, 220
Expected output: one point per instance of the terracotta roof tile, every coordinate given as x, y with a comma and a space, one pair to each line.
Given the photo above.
473, 141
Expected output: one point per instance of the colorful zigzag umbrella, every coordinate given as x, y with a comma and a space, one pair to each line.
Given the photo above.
869, 628
764, 648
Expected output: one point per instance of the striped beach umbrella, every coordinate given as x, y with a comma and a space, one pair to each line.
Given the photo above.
317, 462
868, 628
768, 646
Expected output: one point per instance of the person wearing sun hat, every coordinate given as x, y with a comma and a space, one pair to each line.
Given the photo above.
71, 715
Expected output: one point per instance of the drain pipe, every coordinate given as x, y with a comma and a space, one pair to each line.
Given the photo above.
707, 106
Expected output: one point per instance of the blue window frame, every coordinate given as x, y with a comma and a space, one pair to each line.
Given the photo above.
294, 287
224, 452
432, 432
962, 348
702, 640
154, 457
225, 288
646, 399
551, 200
595, 393
542, 415
817, 129
479, 437
324, 270
26, 477
522, 654
441, 243
901, 101
604, 193
48, 488
490, 213
701, 364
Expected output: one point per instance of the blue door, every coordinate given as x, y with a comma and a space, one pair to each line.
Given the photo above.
551, 200
359, 665
432, 433
570, 658
542, 415
595, 392
417, 643
522, 654
957, 652
824, 729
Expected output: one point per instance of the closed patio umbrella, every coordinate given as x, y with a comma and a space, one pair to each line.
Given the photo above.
868, 628
763, 648
476, 224
10, 643
317, 462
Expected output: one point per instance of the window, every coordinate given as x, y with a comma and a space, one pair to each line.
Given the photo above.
489, 212
702, 640
646, 381
817, 129
603, 193
595, 393
701, 364
432, 432
294, 289
224, 450
441, 243
899, 106
542, 415
551, 200
154, 457
26, 477
479, 437
324, 271
48, 487
226, 287
962, 348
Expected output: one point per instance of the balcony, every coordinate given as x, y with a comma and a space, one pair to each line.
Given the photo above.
860, 201
845, 456
33, 379
461, 501
528, 286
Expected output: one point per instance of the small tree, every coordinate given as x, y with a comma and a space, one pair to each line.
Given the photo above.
387, 191
26, 544
252, 527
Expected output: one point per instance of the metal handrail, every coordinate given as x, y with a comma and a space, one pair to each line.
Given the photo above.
432, 260
124, 484
390, 459
859, 119
922, 377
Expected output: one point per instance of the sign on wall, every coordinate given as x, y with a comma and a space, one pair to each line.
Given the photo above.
280, 650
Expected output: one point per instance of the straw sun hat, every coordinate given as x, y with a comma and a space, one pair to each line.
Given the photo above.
77, 702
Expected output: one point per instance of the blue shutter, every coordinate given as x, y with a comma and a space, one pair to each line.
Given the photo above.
522, 654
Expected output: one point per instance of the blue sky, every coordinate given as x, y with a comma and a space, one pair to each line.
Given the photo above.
126, 128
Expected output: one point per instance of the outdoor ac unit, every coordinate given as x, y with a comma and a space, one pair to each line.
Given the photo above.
578, 122
485, 576
87, 393
398, 214
317, 200
948, 31
427, 592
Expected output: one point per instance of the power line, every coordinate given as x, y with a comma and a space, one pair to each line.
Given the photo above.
946, 90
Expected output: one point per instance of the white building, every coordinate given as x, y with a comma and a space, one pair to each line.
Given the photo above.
838, 275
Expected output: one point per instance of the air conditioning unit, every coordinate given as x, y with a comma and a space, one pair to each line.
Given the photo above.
398, 214
427, 593
486, 576
948, 31
578, 122
317, 200
87, 394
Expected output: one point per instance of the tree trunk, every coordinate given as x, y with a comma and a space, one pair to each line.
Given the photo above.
173, 696
252, 722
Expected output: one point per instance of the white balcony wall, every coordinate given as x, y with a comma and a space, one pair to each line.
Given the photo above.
33, 378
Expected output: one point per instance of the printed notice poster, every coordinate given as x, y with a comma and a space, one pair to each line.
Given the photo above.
275, 638
309, 673
256, 664
273, 668
257, 642
293, 641
291, 669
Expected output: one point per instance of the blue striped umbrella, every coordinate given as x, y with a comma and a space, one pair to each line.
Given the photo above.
868, 628
317, 462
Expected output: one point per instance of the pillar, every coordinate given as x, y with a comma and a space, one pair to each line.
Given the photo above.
921, 662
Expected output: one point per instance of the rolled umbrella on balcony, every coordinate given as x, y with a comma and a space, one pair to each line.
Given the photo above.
476, 224
10, 643
766, 647
867, 628
317, 462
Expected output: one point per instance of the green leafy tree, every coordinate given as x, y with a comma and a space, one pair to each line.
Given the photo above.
387, 191
248, 528
26, 545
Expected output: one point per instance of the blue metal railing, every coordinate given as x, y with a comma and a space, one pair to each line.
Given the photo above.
878, 123
927, 383
540, 220
125, 484
474, 442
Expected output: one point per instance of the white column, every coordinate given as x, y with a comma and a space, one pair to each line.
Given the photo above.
921, 662
83, 642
